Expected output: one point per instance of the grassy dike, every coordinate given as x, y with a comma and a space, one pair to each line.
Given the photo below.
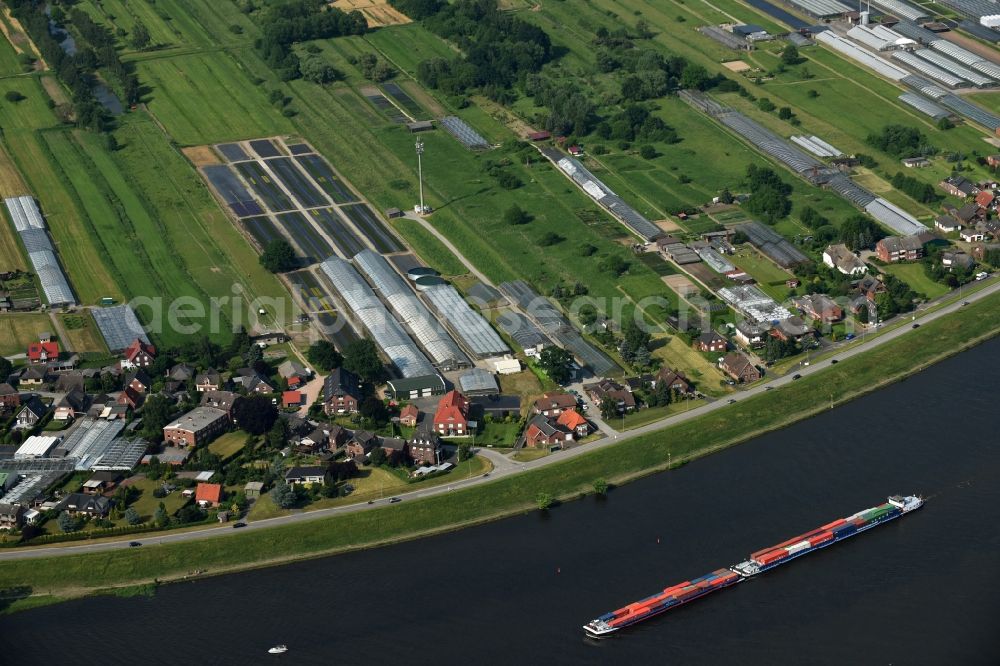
76, 575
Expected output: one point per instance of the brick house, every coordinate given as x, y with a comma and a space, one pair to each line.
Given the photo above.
223, 400
10, 399
425, 446
598, 391
394, 446
738, 365
958, 186
313, 475
840, 257
899, 248
43, 352
675, 381
409, 415
210, 380
554, 403
138, 381
542, 431
711, 341
131, 398
574, 422
452, 415
361, 444
341, 392
820, 306
198, 426
138, 355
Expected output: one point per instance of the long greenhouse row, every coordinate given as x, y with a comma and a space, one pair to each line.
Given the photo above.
31, 227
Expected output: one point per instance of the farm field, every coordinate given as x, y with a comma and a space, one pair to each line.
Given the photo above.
913, 274
18, 330
770, 277
83, 334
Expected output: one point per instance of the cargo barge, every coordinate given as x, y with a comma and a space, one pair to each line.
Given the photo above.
758, 562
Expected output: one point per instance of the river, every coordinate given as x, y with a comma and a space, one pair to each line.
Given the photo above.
924, 589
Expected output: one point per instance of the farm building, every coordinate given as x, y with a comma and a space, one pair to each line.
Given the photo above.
30, 226
119, 327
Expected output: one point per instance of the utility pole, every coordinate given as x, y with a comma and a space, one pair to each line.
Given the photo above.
420, 175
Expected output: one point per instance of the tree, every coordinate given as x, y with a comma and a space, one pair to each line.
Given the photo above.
277, 436
160, 517
132, 516
647, 152
361, 357
316, 70
377, 456
13, 96
515, 216
140, 37
550, 238
68, 522
6, 367
858, 232
790, 55
695, 77
156, 413
283, 495
544, 501
374, 409
464, 451
600, 486
324, 355
609, 408
556, 362
254, 414
279, 256
785, 113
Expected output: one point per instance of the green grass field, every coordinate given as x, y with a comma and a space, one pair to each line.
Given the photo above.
769, 275
228, 443
146, 504
19, 330
851, 378
83, 333
914, 275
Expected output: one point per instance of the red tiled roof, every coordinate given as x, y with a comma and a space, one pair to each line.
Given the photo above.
291, 398
453, 408
35, 350
571, 419
409, 410
984, 198
137, 346
208, 492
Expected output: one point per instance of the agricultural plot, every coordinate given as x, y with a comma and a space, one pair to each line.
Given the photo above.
368, 222
320, 307
264, 148
402, 99
297, 183
264, 187
299, 149
233, 152
320, 171
346, 241
262, 229
17, 331
305, 235
382, 103
232, 191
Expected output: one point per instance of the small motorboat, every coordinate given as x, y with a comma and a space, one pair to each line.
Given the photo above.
278, 649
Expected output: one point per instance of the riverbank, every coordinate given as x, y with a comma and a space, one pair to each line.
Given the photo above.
75, 575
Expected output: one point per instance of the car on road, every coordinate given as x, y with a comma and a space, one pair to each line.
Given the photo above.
732, 401
239, 525
850, 336
768, 388
794, 377
393, 500
965, 302
916, 326
134, 544
486, 475
834, 361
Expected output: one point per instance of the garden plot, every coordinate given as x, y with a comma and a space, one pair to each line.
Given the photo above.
321, 172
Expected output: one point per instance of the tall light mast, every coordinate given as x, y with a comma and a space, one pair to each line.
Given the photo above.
420, 176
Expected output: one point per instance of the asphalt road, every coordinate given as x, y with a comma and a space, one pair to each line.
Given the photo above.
502, 468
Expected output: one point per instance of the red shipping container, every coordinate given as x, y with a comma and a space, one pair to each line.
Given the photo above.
836, 523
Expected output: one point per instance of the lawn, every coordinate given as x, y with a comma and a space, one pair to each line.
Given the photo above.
628, 459
228, 444
913, 274
430, 249
528, 454
770, 277
146, 504
83, 333
18, 330
641, 417
678, 355
525, 384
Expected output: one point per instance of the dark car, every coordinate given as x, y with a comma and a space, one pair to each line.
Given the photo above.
239, 524
834, 362
134, 544
794, 377
916, 326
732, 401
768, 388
393, 500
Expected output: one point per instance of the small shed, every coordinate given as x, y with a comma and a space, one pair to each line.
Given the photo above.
420, 126
253, 489
393, 213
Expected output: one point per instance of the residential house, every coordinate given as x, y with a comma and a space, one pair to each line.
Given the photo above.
605, 388
969, 213
674, 380
989, 227
959, 186
131, 398
819, 306
68, 381
979, 251
80, 504
711, 341
947, 224
971, 235
409, 415
738, 365
839, 257
101, 482
750, 334
915, 162
993, 160
210, 380
289, 369
316, 439
208, 494
253, 489
425, 446
869, 286
984, 199
496, 406
899, 248
198, 426
31, 412
181, 372
249, 380
542, 431
71, 405
11, 516
640, 383
395, 448
306, 475
224, 400
341, 392
554, 403
574, 422
43, 352
452, 415
360, 444
138, 381
35, 375
138, 355
10, 399
292, 399
957, 259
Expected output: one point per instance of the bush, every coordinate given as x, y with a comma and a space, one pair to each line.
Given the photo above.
647, 152
13, 96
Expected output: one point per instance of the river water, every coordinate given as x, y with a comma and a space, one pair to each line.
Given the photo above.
924, 589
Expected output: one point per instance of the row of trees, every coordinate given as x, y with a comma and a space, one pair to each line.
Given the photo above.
917, 189
901, 141
101, 53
